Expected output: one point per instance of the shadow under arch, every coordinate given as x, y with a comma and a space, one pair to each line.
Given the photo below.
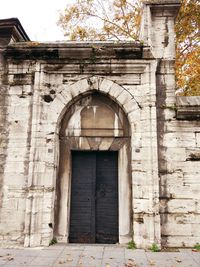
93, 121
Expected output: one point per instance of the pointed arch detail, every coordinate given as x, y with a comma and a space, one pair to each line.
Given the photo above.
70, 93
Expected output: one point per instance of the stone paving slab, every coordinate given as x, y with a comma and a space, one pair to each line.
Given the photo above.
96, 256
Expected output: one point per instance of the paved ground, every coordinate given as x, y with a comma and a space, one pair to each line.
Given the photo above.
96, 256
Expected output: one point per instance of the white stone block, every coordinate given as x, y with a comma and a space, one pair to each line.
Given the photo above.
181, 206
174, 154
116, 90
124, 97
174, 229
179, 139
106, 85
79, 87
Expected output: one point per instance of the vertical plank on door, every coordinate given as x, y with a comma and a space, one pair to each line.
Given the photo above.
107, 197
82, 212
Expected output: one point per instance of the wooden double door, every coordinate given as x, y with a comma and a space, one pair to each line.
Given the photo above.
94, 197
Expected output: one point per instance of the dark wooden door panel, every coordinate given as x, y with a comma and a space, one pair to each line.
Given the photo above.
82, 213
107, 197
94, 197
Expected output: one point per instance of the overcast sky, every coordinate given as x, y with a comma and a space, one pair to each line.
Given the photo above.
38, 17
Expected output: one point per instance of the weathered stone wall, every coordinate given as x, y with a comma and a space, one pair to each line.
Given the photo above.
178, 140
41, 92
158, 155
179, 156
15, 141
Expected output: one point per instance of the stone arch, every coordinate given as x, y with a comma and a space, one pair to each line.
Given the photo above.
69, 94
63, 101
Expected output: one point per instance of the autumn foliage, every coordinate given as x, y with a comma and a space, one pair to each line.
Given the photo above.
101, 20
188, 47
119, 20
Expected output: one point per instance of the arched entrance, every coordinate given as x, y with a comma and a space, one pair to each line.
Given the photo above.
93, 197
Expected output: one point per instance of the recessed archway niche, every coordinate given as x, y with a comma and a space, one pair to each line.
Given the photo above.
94, 122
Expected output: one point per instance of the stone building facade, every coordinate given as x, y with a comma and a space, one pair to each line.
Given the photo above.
57, 98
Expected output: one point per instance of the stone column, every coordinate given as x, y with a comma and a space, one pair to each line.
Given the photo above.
3, 125
157, 31
15, 106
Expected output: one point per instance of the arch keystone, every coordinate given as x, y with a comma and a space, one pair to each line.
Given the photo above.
94, 82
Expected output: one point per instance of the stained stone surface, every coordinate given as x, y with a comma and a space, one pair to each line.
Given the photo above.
48, 101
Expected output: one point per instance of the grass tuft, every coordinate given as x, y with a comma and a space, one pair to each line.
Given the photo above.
197, 246
131, 245
154, 247
53, 241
